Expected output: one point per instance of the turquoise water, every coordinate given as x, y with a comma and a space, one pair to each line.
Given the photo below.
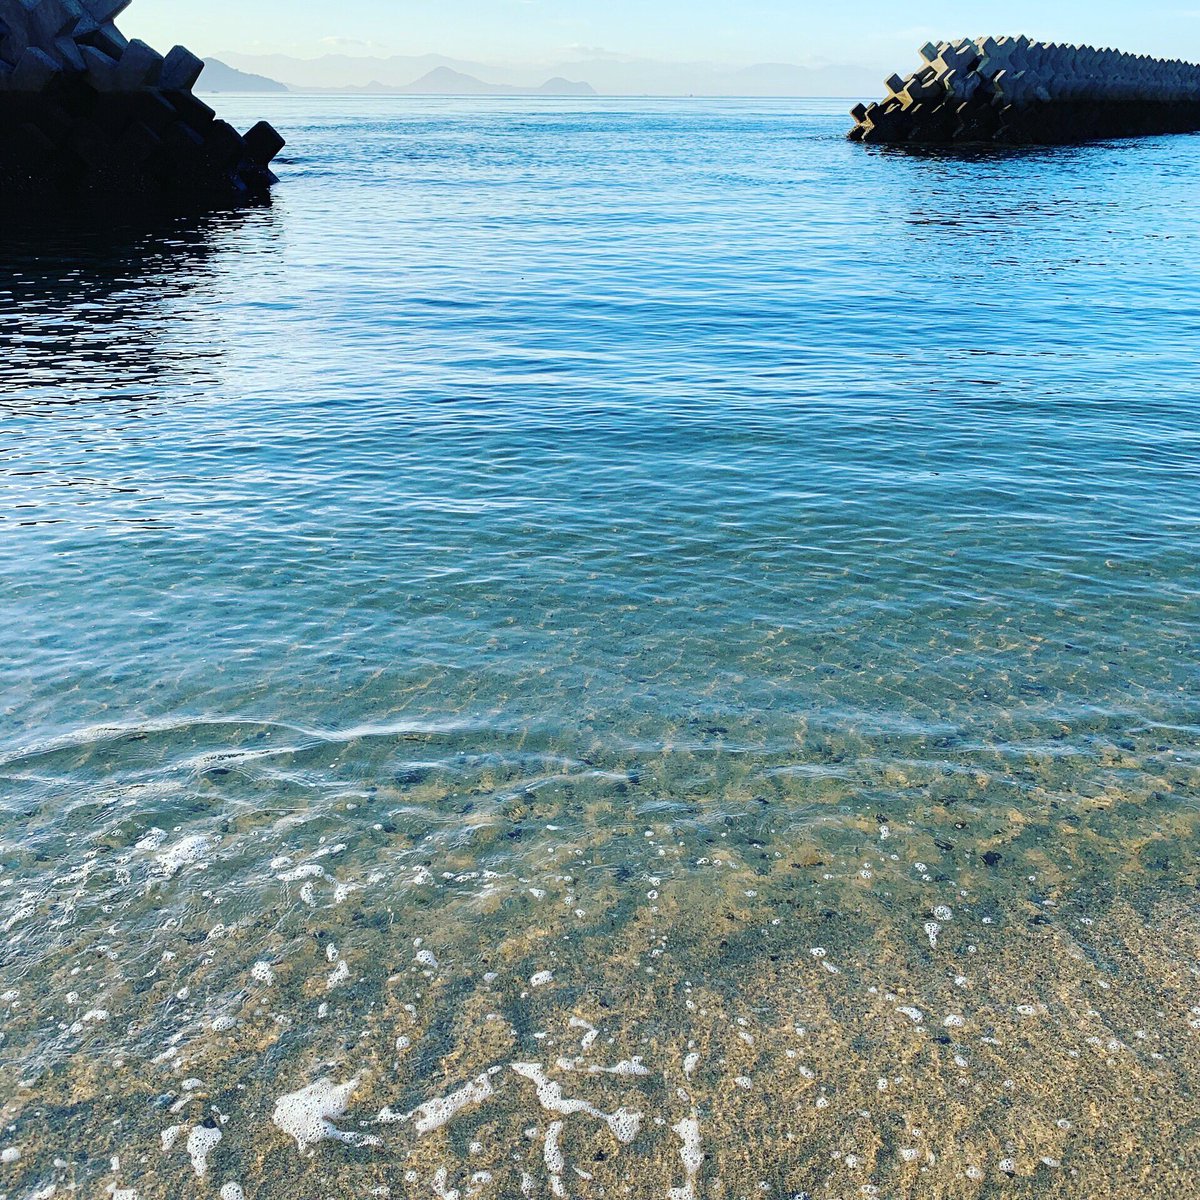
656, 544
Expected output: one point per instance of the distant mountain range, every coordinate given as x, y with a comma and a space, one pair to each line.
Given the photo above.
433, 74
443, 81
220, 77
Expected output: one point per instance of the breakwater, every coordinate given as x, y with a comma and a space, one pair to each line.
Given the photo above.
1014, 91
83, 109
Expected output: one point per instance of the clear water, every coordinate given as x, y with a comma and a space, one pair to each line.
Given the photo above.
750, 579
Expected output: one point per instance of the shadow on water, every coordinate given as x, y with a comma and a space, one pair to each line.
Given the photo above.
91, 301
987, 152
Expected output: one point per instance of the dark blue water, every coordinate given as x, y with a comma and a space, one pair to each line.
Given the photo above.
543, 502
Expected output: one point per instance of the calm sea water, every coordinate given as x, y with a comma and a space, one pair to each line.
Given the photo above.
606, 649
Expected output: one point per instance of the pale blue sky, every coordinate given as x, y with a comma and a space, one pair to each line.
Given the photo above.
864, 32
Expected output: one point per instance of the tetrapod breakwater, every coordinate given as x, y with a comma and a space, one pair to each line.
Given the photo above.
1014, 91
85, 110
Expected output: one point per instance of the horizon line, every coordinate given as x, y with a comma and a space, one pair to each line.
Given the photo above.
533, 94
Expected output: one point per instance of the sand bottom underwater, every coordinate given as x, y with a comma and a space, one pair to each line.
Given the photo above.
957, 995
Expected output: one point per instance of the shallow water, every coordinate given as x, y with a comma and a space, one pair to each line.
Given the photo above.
645, 589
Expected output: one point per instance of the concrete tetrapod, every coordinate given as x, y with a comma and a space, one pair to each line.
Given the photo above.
1014, 91
86, 111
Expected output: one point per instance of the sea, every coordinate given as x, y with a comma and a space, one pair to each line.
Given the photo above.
605, 648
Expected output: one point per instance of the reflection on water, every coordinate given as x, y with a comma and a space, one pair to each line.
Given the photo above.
104, 298
606, 650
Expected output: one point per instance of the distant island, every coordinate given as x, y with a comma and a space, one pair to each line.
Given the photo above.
444, 81
437, 75
221, 77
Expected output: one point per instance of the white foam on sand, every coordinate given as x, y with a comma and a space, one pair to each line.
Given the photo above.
555, 1162
200, 1144
433, 1114
440, 1183
307, 1115
191, 849
589, 1038
307, 871
623, 1125
692, 1155
629, 1069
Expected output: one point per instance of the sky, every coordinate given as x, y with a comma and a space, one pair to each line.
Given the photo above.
865, 33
